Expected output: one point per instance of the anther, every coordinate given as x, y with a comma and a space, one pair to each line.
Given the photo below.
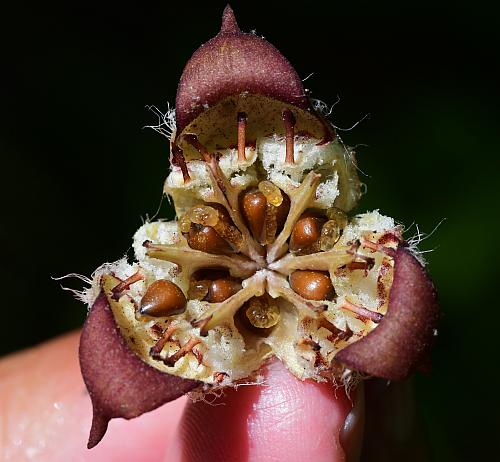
242, 127
203, 215
179, 161
289, 121
225, 228
271, 192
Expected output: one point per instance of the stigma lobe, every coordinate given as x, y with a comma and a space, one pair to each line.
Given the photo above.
231, 63
119, 383
404, 337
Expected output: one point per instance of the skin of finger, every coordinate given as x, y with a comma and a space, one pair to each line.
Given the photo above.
46, 412
284, 419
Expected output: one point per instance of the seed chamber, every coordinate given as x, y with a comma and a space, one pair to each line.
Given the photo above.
249, 294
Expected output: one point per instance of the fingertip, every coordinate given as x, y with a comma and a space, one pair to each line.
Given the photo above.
283, 419
46, 412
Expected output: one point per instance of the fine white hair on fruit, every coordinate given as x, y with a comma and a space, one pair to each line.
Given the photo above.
417, 238
323, 108
89, 294
166, 121
326, 111
82, 294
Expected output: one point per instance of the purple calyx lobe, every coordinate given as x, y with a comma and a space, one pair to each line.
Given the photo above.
119, 383
402, 340
231, 63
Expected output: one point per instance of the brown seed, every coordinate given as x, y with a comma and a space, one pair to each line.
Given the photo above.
198, 290
206, 239
221, 289
253, 205
306, 231
312, 285
163, 298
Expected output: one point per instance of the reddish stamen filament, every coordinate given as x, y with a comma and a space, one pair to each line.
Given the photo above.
193, 141
202, 324
289, 120
242, 128
375, 247
363, 312
192, 342
125, 285
179, 161
310, 342
157, 348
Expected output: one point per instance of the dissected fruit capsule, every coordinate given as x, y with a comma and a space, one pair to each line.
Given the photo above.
312, 285
263, 247
163, 298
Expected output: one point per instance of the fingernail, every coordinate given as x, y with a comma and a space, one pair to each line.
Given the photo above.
351, 435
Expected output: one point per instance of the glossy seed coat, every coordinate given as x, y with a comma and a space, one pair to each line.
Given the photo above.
312, 285
163, 298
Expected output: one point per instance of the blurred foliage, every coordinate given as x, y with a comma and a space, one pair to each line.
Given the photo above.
80, 171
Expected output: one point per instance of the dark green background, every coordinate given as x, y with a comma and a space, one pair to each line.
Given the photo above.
79, 171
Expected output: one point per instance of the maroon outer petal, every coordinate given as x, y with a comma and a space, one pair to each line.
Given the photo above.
231, 63
119, 383
403, 338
